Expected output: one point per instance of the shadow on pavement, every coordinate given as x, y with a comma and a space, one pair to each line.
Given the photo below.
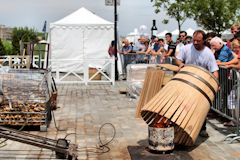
216, 121
142, 152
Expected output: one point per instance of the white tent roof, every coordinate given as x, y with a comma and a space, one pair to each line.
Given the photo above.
134, 33
175, 32
162, 34
81, 35
84, 17
190, 31
227, 34
133, 36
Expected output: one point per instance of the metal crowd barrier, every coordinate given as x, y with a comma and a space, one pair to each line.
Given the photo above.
136, 58
227, 99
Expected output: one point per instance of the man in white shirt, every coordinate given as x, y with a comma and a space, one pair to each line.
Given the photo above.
198, 54
182, 39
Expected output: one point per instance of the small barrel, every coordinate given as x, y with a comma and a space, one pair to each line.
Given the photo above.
185, 100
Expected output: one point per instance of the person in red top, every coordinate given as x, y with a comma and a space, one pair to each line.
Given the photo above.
112, 53
111, 49
236, 50
235, 29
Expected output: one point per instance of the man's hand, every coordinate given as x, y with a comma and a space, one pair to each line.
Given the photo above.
180, 66
219, 62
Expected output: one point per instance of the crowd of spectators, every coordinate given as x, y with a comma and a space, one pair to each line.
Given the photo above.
204, 49
162, 50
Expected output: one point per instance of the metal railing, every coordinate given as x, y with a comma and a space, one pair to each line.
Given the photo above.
141, 57
227, 98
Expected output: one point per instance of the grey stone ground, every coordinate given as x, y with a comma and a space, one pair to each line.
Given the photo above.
83, 109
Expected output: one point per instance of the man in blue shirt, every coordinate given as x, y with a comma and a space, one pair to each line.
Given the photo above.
222, 52
126, 49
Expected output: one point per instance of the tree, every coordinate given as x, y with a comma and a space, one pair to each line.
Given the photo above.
2, 49
178, 9
216, 15
8, 47
22, 35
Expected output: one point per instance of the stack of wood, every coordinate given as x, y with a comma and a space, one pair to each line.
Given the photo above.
19, 113
24, 99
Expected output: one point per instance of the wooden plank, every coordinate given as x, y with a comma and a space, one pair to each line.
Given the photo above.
169, 67
157, 100
143, 93
175, 92
188, 116
188, 101
175, 106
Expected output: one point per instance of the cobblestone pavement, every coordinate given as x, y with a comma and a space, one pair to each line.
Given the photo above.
84, 109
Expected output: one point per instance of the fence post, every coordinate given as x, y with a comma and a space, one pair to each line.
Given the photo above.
85, 71
57, 73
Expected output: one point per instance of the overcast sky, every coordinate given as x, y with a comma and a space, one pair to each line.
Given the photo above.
132, 13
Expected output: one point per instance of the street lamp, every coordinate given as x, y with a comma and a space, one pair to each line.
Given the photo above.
115, 38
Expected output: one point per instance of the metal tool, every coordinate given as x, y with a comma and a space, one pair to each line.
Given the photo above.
62, 147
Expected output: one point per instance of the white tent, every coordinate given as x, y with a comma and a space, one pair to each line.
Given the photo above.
80, 35
227, 34
162, 34
190, 31
133, 36
175, 32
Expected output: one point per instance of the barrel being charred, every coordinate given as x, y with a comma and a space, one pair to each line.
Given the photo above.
185, 101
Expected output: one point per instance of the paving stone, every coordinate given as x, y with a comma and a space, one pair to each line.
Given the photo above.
84, 109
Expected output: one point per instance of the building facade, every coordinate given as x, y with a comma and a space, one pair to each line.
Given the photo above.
5, 32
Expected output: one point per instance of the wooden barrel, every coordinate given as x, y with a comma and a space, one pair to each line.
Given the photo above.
185, 100
169, 71
155, 78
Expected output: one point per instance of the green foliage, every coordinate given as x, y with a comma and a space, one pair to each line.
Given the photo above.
39, 49
2, 49
165, 21
178, 9
216, 15
22, 34
8, 47
41, 35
